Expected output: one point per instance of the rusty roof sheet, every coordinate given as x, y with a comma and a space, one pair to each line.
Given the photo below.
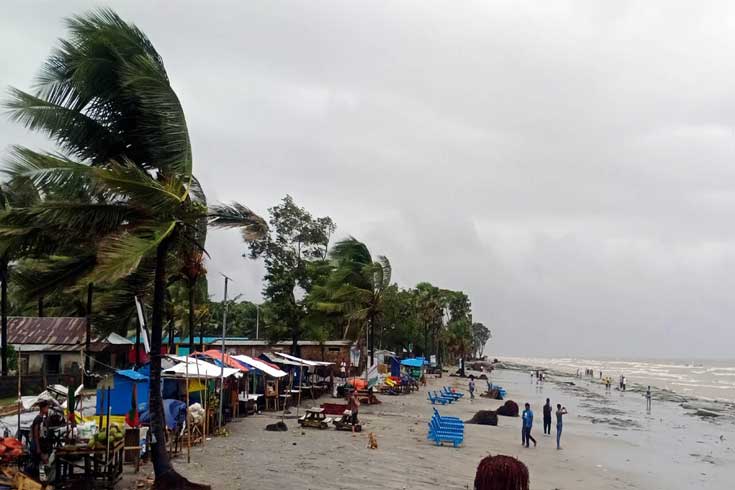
47, 330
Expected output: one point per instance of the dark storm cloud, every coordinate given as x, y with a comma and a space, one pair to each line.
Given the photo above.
568, 164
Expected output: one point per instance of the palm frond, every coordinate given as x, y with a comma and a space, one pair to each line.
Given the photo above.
39, 277
75, 132
120, 254
235, 215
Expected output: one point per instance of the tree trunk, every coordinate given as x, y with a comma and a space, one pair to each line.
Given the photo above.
371, 339
192, 287
166, 476
40, 307
88, 338
4, 312
201, 336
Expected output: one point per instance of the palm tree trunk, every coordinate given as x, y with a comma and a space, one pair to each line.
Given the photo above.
201, 335
192, 287
161, 462
371, 340
88, 338
4, 312
166, 476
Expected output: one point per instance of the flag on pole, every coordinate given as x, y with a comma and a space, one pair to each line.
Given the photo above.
131, 418
70, 404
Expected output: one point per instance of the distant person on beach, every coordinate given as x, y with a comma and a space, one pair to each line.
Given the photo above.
527, 425
547, 417
353, 405
560, 411
622, 382
472, 387
648, 398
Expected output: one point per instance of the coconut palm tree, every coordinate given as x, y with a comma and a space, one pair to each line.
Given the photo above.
104, 97
355, 288
18, 193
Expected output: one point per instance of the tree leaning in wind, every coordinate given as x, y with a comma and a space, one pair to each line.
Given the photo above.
104, 97
355, 289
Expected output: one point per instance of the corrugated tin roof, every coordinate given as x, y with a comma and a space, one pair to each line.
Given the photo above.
47, 330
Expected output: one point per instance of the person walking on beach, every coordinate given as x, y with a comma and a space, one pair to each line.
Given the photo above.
560, 411
648, 399
547, 417
353, 405
527, 424
622, 383
472, 387
343, 370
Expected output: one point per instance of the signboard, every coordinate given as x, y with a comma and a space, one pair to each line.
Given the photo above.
432, 360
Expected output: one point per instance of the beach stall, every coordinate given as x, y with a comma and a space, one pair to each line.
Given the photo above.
415, 366
238, 389
270, 376
298, 369
124, 387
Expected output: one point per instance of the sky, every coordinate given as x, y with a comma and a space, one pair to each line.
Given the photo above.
570, 165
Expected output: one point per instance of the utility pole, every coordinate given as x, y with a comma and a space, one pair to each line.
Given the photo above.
257, 321
222, 369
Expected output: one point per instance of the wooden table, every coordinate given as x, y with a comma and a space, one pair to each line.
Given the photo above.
75, 464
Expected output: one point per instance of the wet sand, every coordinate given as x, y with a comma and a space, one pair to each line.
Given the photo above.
609, 442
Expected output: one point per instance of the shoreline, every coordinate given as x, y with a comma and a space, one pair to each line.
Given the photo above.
608, 442
699, 406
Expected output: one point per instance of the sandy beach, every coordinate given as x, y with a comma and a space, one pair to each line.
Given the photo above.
609, 442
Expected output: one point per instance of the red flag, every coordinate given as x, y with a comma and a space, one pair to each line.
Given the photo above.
131, 418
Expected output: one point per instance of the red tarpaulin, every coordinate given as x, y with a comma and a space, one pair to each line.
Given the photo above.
229, 361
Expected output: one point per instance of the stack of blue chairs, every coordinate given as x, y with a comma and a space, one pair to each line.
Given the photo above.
444, 396
446, 429
501, 390
447, 392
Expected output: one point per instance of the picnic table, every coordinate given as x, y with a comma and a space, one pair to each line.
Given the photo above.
315, 417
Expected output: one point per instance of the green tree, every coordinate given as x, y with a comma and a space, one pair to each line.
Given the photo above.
19, 193
105, 98
400, 326
430, 310
356, 287
480, 335
296, 239
459, 339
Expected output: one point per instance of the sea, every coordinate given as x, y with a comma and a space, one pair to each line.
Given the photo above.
701, 379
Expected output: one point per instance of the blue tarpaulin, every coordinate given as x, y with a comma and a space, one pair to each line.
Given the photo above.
121, 394
395, 367
174, 412
415, 362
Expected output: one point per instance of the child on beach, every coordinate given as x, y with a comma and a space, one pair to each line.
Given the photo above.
472, 387
547, 417
648, 399
560, 411
527, 424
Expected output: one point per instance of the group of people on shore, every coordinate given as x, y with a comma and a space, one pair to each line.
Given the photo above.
527, 421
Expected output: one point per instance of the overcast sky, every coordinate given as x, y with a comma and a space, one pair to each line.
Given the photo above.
570, 165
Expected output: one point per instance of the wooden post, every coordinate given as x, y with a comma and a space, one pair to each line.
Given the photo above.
107, 430
301, 381
188, 422
20, 394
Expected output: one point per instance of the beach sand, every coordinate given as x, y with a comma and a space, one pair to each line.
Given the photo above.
606, 445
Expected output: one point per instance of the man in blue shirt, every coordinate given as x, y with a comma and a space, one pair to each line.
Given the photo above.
527, 417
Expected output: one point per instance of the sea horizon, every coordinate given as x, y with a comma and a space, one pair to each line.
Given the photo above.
706, 379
